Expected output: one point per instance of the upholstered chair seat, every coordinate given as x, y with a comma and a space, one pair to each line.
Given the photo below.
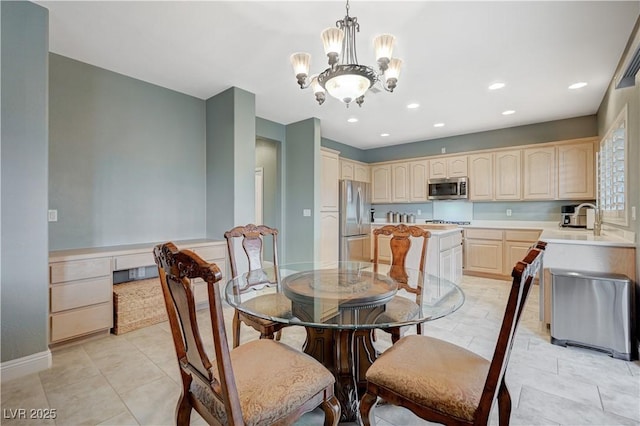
275, 305
268, 395
398, 309
432, 373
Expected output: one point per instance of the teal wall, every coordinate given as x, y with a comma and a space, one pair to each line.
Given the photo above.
346, 151
302, 171
24, 251
231, 161
571, 128
122, 153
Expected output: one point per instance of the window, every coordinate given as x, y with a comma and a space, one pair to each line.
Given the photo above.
612, 172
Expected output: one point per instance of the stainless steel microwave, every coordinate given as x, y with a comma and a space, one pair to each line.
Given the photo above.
448, 189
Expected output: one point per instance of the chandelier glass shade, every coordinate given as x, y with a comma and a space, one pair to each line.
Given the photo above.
345, 79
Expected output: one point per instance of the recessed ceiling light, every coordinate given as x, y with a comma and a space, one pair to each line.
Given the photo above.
384, 135
496, 86
438, 125
413, 105
508, 112
578, 85
352, 120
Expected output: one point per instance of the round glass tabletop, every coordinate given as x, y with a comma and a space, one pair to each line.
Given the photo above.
345, 295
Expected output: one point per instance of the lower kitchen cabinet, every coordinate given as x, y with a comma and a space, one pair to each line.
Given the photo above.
329, 237
494, 252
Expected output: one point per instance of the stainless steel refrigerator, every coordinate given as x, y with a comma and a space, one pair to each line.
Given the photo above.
355, 221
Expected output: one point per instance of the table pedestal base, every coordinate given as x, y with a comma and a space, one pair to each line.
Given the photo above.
347, 354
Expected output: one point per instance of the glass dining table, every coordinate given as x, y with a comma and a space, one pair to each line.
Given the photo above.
340, 305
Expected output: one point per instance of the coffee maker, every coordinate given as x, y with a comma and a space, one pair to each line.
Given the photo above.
569, 220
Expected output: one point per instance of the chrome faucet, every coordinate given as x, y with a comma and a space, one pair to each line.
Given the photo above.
596, 222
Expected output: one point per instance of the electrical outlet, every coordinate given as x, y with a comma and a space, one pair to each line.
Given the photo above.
142, 272
133, 274
419, 212
443, 150
508, 212
52, 215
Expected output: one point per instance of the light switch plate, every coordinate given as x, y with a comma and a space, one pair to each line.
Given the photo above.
306, 212
52, 215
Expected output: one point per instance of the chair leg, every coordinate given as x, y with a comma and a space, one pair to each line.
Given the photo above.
504, 404
183, 411
236, 329
419, 329
331, 408
278, 335
395, 334
367, 402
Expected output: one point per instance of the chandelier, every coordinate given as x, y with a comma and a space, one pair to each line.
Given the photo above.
345, 79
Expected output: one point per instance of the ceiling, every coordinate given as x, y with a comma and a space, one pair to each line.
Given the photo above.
452, 52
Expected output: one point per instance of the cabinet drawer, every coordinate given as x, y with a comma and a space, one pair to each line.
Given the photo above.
521, 235
211, 252
80, 269
130, 261
80, 293
450, 241
66, 325
483, 234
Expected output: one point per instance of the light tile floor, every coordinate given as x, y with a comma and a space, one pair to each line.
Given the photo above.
133, 378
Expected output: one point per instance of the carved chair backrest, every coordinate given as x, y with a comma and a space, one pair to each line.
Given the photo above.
401, 240
251, 239
523, 274
176, 268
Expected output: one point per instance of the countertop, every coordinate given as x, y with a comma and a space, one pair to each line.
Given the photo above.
421, 224
584, 237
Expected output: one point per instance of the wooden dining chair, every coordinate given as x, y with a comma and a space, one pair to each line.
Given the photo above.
400, 308
444, 383
262, 382
249, 240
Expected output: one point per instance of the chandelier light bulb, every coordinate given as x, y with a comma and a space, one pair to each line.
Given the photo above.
300, 62
383, 45
332, 42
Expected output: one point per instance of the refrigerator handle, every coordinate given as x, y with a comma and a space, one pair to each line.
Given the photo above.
359, 207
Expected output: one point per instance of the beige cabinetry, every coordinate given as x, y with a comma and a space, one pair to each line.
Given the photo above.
539, 173
418, 176
329, 177
354, 170
444, 255
483, 251
381, 183
400, 182
81, 284
494, 252
576, 175
516, 245
444, 167
508, 175
481, 176
80, 298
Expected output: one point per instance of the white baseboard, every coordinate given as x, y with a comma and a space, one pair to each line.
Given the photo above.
29, 364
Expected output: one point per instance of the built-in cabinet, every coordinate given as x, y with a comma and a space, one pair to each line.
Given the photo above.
576, 177
381, 183
551, 171
494, 252
354, 170
330, 173
81, 284
447, 167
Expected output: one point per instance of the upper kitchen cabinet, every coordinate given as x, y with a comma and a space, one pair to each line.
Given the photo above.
400, 182
508, 182
481, 177
381, 183
418, 175
329, 177
354, 170
539, 173
576, 177
445, 167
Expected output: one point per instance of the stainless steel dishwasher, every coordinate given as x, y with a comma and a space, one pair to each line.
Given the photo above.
593, 310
